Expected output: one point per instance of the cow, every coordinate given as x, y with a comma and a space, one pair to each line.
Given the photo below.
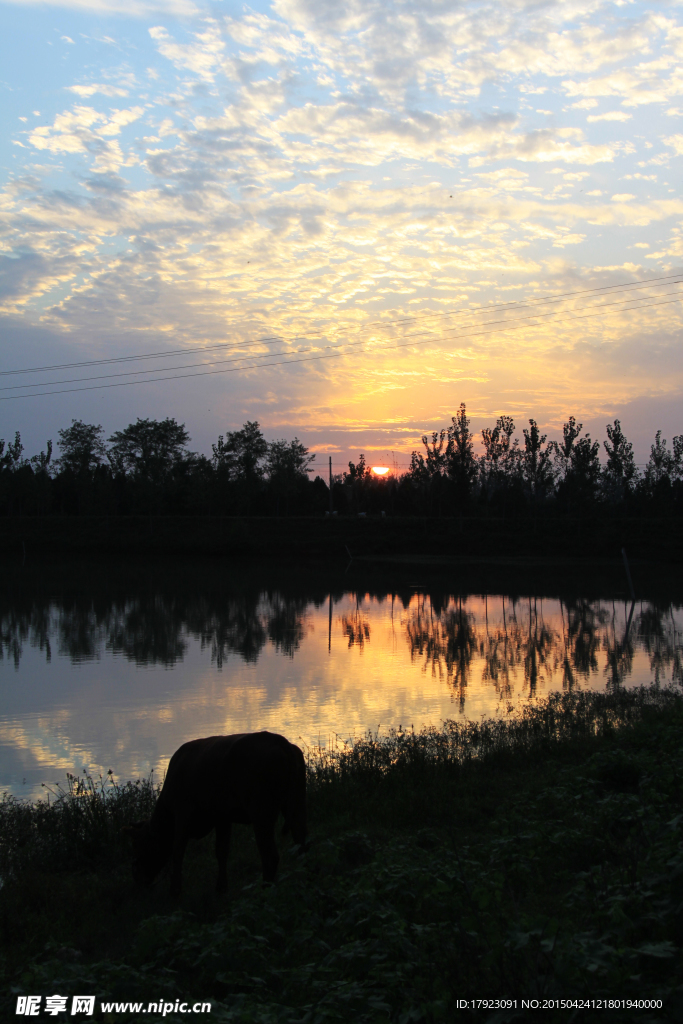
210, 783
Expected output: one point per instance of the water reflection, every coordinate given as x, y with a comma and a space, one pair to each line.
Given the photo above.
445, 635
119, 677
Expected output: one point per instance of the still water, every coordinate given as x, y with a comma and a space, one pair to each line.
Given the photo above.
115, 666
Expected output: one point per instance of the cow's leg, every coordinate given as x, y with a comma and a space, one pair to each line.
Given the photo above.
264, 830
222, 846
179, 845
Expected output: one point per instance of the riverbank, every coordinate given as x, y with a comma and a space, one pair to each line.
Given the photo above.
538, 858
337, 538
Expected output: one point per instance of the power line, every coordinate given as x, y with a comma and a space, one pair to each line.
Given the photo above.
350, 344
274, 339
307, 359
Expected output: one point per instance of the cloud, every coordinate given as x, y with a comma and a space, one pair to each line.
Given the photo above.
316, 167
85, 91
676, 143
200, 57
611, 115
121, 8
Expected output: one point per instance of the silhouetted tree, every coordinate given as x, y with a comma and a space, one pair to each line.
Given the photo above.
82, 447
148, 448
41, 461
427, 473
11, 458
498, 447
242, 453
583, 473
536, 462
565, 447
498, 465
661, 464
287, 465
239, 460
619, 473
462, 464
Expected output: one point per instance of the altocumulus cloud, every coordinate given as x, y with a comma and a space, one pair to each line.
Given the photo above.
318, 167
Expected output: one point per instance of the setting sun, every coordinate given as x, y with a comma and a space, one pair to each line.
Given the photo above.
380, 470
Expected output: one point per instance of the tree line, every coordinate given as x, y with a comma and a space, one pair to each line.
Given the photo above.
147, 468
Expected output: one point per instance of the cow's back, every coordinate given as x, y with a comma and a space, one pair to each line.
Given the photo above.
242, 776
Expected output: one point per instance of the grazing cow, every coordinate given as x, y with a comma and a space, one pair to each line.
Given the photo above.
247, 778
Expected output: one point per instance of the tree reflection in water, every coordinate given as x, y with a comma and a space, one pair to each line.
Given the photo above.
518, 645
446, 641
449, 639
355, 626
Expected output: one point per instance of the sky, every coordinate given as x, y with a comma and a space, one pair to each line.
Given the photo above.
304, 211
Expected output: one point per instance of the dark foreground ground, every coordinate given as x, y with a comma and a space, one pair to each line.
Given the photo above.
540, 859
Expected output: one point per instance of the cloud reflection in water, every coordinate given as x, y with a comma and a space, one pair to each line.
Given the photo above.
120, 681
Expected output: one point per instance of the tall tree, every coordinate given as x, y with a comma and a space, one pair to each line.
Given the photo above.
357, 472
242, 453
565, 447
149, 448
82, 447
583, 474
11, 458
661, 464
436, 461
41, 462
287, 465
678, 456
461, 461
537, 467
619, 473
498, 446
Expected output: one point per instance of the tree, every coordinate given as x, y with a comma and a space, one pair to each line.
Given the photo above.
287, 464
678, 456
242, 453
620, 471
148, 448
436, 454
537, 468
357, 473
499, 448
11, 459
41, 462
661, 464
426, 475
462, 464
564, 448
583, 473
82, 447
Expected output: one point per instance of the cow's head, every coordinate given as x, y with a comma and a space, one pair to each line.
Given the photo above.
150, 853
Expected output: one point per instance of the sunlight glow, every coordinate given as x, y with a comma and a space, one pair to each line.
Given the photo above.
380, 470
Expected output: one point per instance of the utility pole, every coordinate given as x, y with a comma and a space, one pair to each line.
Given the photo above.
330, 485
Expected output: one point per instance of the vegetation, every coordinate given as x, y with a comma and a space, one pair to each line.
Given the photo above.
148, 469
540, 857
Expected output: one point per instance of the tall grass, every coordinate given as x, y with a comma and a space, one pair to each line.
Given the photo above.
79, 824
540, 857
558, 719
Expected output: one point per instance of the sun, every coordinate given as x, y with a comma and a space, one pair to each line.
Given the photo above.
380, 470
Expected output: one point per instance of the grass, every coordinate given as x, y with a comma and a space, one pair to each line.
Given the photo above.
534, 858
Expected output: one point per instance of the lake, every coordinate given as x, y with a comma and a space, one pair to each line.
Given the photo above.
113, 666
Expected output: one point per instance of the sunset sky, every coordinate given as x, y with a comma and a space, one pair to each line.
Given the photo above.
340, 186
